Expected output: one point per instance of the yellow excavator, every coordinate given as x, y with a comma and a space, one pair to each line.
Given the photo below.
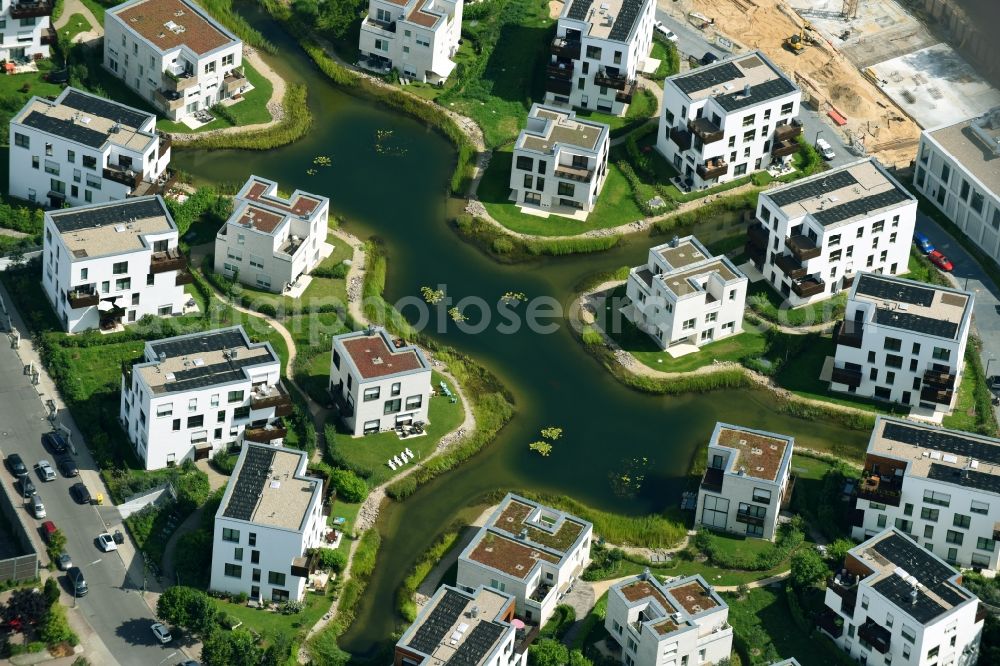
797, 43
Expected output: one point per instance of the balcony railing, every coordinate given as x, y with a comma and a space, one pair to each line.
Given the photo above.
875, 489
939, 379
937, 396
264, 435
828, 621
170, 100
31, 9
49, 36
566, 48
790, 266
83, 298
803, 247
560, 70
164, 262
385, 27
749, 519
849, 333
165, 142
608, 79
625, 96
124, 175
788, 132
276, 396
755, 253
758, 235
558, 86
234, 80
713, 168
706, 130
579, 174
810, 286
784, 148
681, 137
875, 635
845, 586
176, 83
846, 376
300, 567
183, 277
848, 281
712, 480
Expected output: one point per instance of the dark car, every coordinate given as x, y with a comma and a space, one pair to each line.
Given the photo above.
709, 58
25, 486
80, 493
993, 381
68, 467
16, 465
77, 582
55, 442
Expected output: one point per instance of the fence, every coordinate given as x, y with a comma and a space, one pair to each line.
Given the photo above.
23, 566
137, 503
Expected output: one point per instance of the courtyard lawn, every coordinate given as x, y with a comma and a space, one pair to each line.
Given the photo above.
769, 304
642, 109
764, 614
252, 110
615, 205
714, 575
75, 24
271, 623
349, 511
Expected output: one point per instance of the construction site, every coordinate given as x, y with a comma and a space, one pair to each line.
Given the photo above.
871, 66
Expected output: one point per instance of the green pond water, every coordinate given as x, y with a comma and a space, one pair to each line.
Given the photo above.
399, 195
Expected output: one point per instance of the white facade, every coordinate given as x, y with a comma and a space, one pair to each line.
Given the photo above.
417, 38
665, 624
173, 54
922, 480
81, 148
104, 265
530, 551
683, 295
27, 32
270, 516
813, 235
728, 119
597, 53
958, 169
376, 384
444, 628
903, 341
269, 241
746, 481
195, 394
559, 161
894, 601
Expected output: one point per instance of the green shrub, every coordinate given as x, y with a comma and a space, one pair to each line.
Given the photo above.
350, 487
591, 336
563, 617
331, 559
293, 126
405, 603
789, 538
503, 245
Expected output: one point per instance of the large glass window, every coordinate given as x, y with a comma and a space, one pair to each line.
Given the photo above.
229, 534
715, 511
372, 393
393, 406
275, 578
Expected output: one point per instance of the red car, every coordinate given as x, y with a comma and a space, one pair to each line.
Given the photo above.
940, 261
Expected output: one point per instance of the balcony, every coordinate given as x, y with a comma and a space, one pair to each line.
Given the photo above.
31, 9
681, 137
845, 586
300, 567
344, 408
828, 621
560, 70
996, 531
788, 132
165, 143
578, 174
183, 277
558, 86
848, 281
264, 435
385, 28
803, 247
877, 489
235, 80
542, 591
784, 148
83, 297
846, 376
937, 396
757, 234
790, 266
706, 130
164, 262
123, 175
178, 83
810, 286
168, 100
712, 480
939, 379
49, 36
712, 169
849, 333
272, 396
625, 96
566, 48
749, 519
755, 253
875, 635
610, 78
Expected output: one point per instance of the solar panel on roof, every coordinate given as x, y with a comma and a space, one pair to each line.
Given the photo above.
66, 129
210, 375
442, 618
74, 219
477, 644
105, 108
708, 77
944, 441
892, 290
897, 590
967, 478
627, 16
206, 342
907, 321
253, 475
929, 572
864, 206
759, 93
813, 188
578, 10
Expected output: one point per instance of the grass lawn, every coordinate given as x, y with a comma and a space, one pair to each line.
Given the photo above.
731, 545
349, 511
271, 623
17, 89
712, 574
767, 609
251, 111
615, 206
919, 268
372, 451
769, 304
96, 8
75, 24
643, 106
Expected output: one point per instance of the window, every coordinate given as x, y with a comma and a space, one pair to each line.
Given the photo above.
252, 540
740, 170
566, 189
123, 284
382, 45
193, 405
177, 424
372, 393
711, 317
907, 509
215, 400
748, 120
941, 499
235, 396
229, 534
238, 554
945, 173
241, 413
234, 570
220, 416
89, 162
928, 531
594, 52
881, 520
984, 543
962, 521
120, 268
51, 167
977, 202
893, 344
392, 406
256, 262
22, 140
980, 560
748, 136
715, 511
275, 578
195, 421
255, 559
762, 495
979, 507
35, 161
933, 652
414, 401
893, 361
929, 514
165, 409
688, 325
954, 537
864, 601
786, 108
904, 525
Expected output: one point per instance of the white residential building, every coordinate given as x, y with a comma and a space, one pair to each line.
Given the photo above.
269, 241
378, 383
728, 119
530, 551
108, 264
193, 395
958, 169
464, 629
26, 32
559, 162
80, 148
812, 236
902, 341
172, 53
417, 38
270, 516
941, 487
598, 50
745, 484
684, 295
666, 624
896, 602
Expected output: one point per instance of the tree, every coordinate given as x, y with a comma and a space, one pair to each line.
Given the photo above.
350, 487
548, 652
837, 551
55, 628
27, 605
57, 544
231, 648
188, 608
277, 652
51, 591
807, 568
576, 658
331, 559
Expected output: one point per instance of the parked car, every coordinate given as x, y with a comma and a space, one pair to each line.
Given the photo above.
68, 467
993, 381
106, 543
45, 471
666, 32
80, 493
37, 507
161, 632
77, 582
825, 149
709, 58
64, 561
55, 442
16, 465
48, 529
25, 486
941, 261
922, 242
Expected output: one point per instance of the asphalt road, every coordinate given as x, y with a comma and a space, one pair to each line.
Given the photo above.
117, 613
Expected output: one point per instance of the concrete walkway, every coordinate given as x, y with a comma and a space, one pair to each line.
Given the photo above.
71, 7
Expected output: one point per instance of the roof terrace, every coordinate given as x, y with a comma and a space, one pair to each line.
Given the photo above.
759, 454
269, 487
548, 127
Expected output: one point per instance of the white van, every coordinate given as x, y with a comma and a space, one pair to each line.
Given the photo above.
825, 149
37, 508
